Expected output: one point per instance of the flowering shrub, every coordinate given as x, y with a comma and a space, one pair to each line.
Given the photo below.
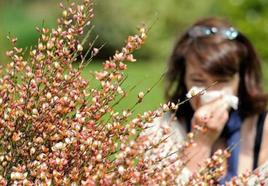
58, 130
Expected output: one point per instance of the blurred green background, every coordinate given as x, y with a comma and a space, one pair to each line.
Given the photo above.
116, 19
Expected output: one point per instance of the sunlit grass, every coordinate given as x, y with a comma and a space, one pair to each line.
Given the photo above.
141, 75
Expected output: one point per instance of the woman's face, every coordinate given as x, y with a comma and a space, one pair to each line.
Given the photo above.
196, 77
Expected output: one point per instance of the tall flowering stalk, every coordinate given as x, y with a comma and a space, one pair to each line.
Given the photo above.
55, 129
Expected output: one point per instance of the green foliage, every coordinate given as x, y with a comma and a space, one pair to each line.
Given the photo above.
248, 16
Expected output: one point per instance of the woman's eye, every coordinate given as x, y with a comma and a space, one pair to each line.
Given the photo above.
223, 80
198, 81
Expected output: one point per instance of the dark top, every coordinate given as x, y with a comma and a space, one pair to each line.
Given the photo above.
258, 139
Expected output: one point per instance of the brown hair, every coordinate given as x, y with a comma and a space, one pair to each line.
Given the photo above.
218, 56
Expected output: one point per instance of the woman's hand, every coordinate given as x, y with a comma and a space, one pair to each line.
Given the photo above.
212, 116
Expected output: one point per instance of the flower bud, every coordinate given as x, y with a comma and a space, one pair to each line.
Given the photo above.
141, 95
16, 176
65, 13
121, 170
79, 47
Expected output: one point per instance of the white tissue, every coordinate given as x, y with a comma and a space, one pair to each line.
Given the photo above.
208, 96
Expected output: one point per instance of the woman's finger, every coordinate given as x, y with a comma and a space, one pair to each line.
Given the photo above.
211, 116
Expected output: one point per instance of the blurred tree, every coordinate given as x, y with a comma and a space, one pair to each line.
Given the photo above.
250, 16
116, 19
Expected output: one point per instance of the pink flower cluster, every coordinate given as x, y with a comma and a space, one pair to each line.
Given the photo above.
57, 130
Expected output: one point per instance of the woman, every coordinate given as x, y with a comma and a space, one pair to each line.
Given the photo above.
213, 51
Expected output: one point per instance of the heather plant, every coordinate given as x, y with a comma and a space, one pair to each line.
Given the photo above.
56, 129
